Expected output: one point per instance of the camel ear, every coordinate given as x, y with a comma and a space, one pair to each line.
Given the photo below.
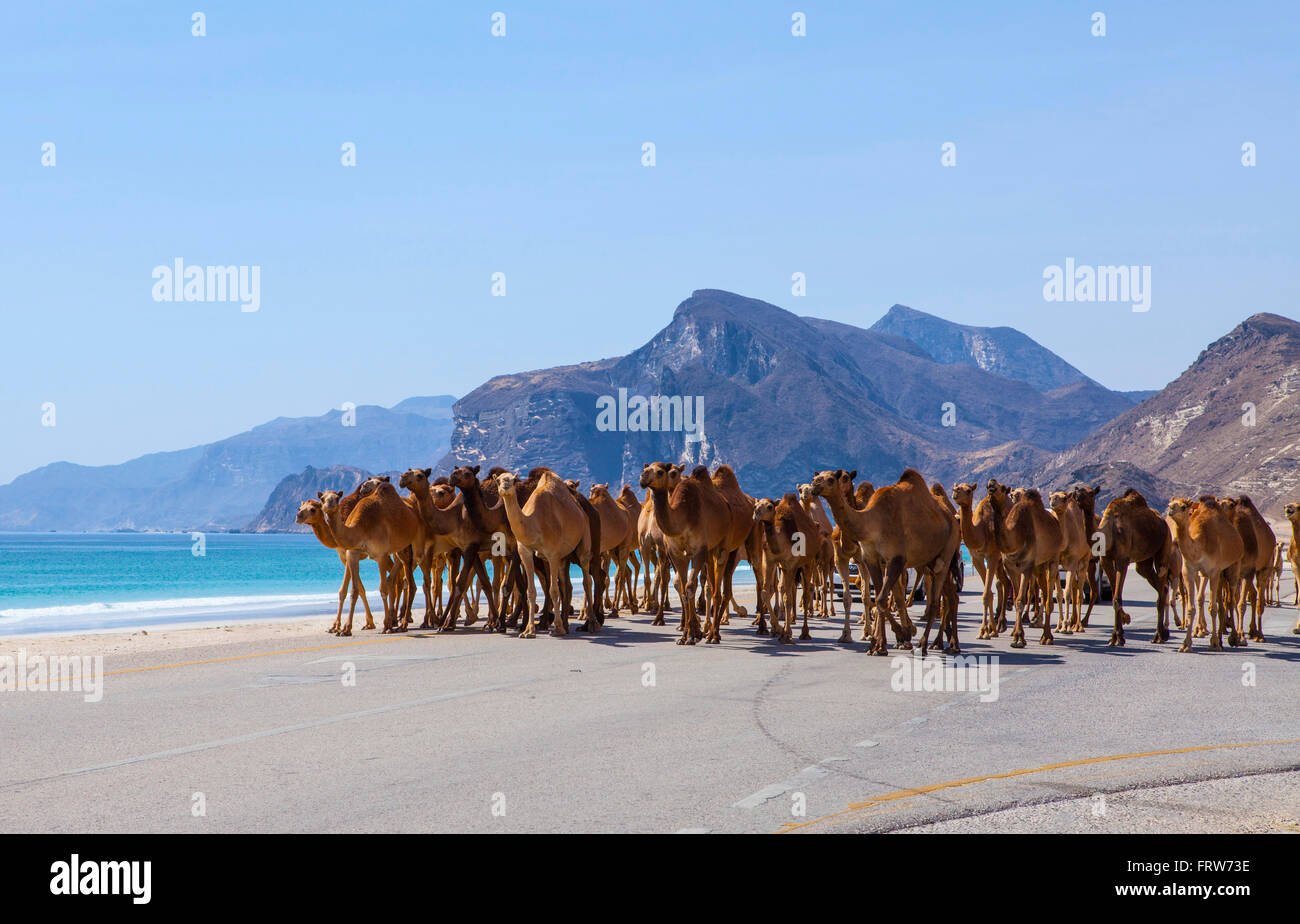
320, 495
476, 468
386, 478
853, 474
429, 471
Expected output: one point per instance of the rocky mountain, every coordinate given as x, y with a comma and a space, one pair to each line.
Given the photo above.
1229, 424
1004, 351
222, 485
780, 395
278, 516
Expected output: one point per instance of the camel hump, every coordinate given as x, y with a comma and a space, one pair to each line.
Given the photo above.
789, 498
1135, 496
1209, 500
912, 476
1245, 501
725, 476
701, 473
1033, 495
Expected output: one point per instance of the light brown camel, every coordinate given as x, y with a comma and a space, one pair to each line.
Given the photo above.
744, 539
1133, 533
1212, 548
901, 527
831, 557
1030, 541
1292, 511
977, 532
1074, 559
381, 524
696, 522
312, 514
791, 540
654, 554
553, 526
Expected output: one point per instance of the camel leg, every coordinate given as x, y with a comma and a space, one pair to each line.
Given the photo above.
343, 592
354, 567
690, 624
1117, 570
1187, 642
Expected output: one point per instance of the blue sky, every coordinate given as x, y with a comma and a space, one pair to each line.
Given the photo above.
522, 154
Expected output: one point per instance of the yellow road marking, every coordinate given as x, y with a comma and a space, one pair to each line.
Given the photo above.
263, 654
901, 794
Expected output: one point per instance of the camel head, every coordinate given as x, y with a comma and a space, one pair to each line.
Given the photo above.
599, 490
309, 511
1178, 510
442, 495
806, 493
1058, 500
464, 477
998, 492
371, 484
828, 483
661, 476
1228, 505
329, 500
1087, 497
415, 478
963, 493
764, 510
1292, 512
572, 485
507, 483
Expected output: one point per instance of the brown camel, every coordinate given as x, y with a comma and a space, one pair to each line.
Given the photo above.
790, 537
311, 514
381, 524
1074, 559
627, 554
615, 527
744, 538
1131, 532
831, 558
1086, 498
977, 531
1249, 520
553, 526
1212, 549
1030, 541
650, 541
696, 522
1292, 511
901, 527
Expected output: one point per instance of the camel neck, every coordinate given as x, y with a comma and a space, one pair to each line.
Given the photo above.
665, 516
324, 534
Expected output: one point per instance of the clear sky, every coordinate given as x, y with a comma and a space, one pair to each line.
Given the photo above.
477, 154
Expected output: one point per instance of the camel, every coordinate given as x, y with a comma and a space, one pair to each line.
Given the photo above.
791, 546
977, 531
1086, 498
744, 539
1279, 560
1074, 558
627, 553
697, 526
553, 526
615, 527
1292, 511
650, 541
1131, 532
381, 524
831, 557
1249, 520
1212, 548
1030, 541
311, 514
451, 532
901, 527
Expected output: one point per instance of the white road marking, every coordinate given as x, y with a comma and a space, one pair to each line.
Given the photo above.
806, 775
270, 732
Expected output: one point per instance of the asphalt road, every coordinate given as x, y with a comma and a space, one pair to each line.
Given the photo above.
471, 732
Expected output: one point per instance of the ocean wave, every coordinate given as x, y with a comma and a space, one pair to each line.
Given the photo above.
162, 609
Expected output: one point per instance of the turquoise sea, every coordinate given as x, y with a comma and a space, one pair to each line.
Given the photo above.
67, 582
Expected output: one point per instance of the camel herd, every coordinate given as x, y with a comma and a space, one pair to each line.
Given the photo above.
692, 530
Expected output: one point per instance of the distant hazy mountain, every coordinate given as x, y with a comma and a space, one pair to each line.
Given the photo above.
222, 485
1001, 350
281, 510
783, 394
1229, 424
